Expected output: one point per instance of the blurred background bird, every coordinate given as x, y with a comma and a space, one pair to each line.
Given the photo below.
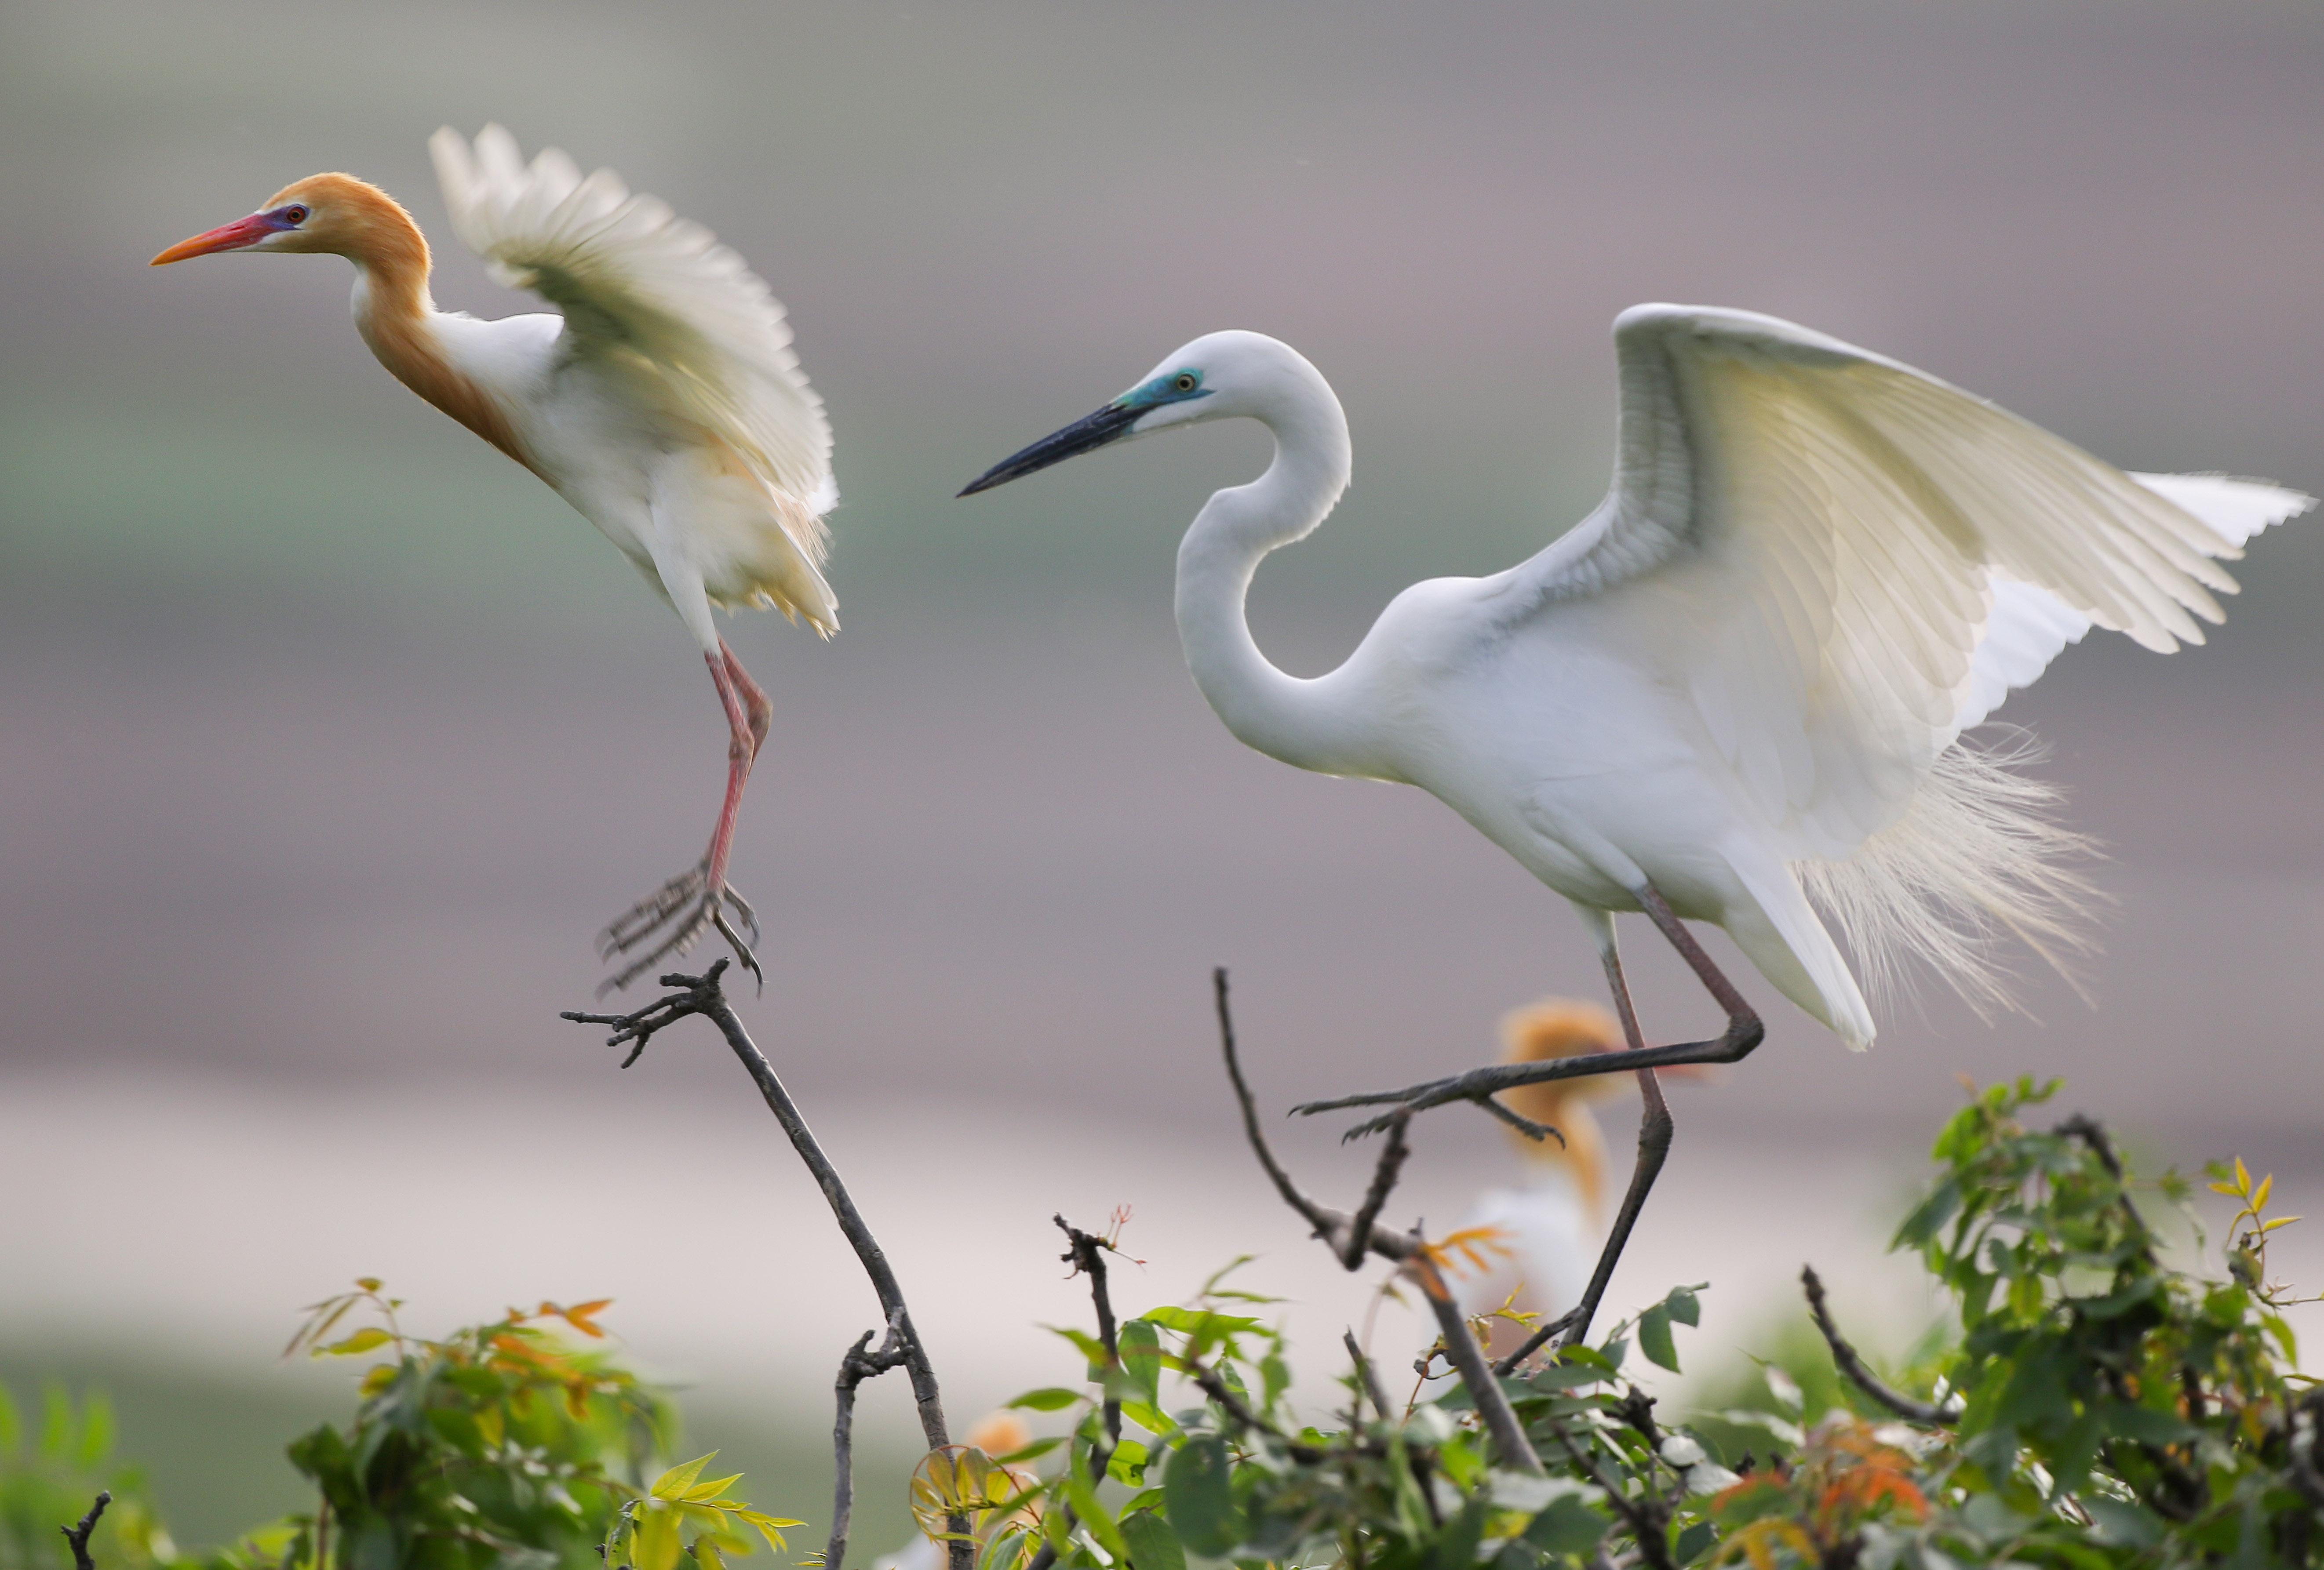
664, 403
1548, 1227
1735, 693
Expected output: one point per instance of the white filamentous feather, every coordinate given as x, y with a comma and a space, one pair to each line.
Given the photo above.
1976, 857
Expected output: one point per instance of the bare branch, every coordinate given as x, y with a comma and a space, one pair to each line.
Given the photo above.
1863, 1378
1645, 1516
702, 994
77, 1534
1536, 1342
1086, 1251
1384, 1176
1366, 1379
1468, 1358
855, 1366
1351, 1237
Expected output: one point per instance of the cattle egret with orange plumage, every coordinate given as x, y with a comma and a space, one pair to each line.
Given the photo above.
664, 403
1735, 693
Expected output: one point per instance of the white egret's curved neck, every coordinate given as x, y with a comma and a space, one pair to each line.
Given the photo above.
1300, 722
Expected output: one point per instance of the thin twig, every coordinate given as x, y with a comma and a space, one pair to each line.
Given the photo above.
1863, 1378
1349, 1241
1086, 1251
1384, 1176
1641, 1516
2091, 1132
77, 1536
1468, 1358
1366, 1379
1535, 1342
702, 994
856, 1366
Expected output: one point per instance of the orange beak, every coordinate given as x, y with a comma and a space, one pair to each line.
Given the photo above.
238, 236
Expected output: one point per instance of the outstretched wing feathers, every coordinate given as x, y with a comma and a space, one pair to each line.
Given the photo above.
1821, 541
636, 281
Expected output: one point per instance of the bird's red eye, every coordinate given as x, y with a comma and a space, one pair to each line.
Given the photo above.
295, 214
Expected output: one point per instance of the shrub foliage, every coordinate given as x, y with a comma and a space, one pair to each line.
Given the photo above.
2095, 1407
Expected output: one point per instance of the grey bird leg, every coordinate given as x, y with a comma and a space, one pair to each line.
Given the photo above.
1744, 1032
1655, 1126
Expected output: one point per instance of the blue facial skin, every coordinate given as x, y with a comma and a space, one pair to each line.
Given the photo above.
1171, 387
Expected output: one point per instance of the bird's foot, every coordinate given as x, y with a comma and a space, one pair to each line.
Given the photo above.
672, 920
1478, 1087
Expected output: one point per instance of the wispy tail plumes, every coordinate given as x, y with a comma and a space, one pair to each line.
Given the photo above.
1978, 856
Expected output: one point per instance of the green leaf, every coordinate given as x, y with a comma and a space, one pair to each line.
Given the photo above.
1153, 1545
654, 1546
1092, 1349
96, 1429
2122, 1524
713, 1489
1569, 1526
363, 1340
1033, 1451
673, 1483
1197, 1492
1693, 1541
1142, 1356
1929, 1215
1654, 1337
1127, 1464
1153, 1419
1199, 1321
1046, 1400
1095, 1516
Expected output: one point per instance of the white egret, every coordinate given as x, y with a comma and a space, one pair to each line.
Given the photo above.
664, 403
1737, 690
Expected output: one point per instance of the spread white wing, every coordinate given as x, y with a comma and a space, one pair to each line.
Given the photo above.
639, 284
1843, 561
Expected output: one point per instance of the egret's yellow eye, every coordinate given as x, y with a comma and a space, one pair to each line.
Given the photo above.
1185, 381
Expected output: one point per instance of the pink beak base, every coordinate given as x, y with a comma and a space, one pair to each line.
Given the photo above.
236, 236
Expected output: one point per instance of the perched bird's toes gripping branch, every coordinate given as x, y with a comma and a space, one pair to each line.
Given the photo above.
679, 914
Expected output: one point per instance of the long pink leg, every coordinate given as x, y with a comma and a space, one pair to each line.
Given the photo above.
696, 900
741, 751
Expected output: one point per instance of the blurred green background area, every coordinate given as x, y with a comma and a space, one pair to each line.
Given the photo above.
328, 736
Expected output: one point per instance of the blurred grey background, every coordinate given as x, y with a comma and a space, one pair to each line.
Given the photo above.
328, 736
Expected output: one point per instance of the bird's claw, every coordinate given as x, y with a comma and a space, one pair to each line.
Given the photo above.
1417, 1099
672, 920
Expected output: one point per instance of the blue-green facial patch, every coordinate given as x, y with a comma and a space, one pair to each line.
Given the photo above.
1171, 387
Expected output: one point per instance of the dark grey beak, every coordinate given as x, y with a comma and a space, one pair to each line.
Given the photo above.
1109, 423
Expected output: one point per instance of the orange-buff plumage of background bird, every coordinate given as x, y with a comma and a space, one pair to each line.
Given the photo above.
1548, 1228
664, 403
